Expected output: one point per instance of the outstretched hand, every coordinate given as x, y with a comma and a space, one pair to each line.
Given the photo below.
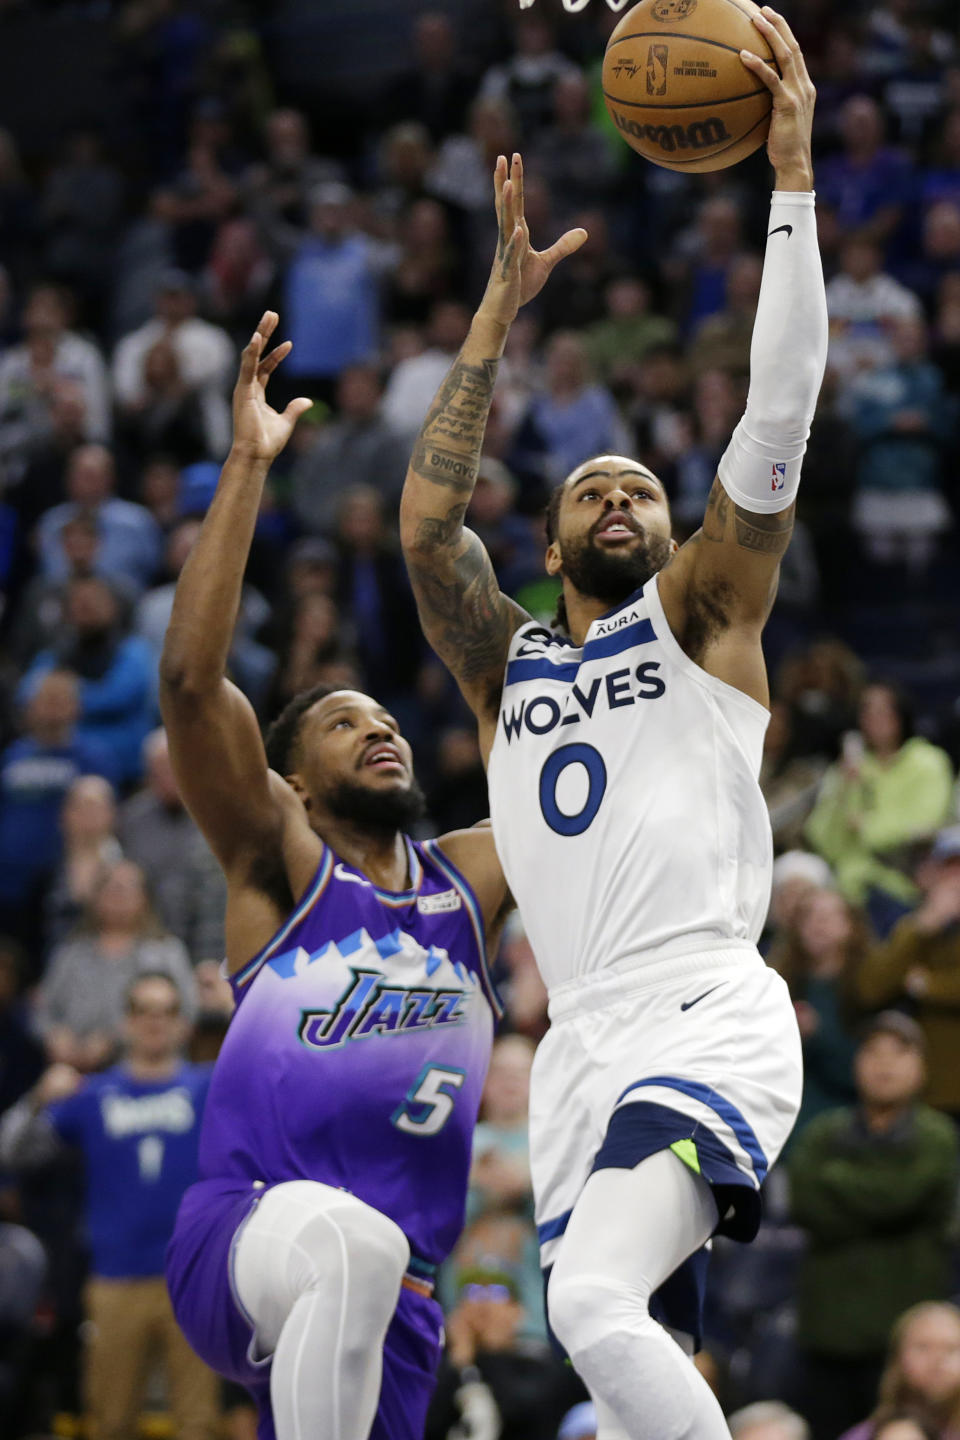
789, 143
519, 272
258, 429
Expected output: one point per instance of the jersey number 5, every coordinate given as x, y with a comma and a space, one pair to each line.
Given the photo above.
585, 756
428, 1103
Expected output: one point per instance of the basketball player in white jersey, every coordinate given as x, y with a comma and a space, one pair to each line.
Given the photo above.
623, 751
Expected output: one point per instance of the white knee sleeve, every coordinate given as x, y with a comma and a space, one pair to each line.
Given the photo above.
303, 1236
760, 469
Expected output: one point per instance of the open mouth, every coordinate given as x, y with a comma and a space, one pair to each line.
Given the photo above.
383, 757
616, 528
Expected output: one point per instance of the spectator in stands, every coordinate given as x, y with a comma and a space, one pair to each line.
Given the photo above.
372, 586
362, 443
520, 1389
874, 1187
768, 1420
509, 539
572, 153
527, 81
527, 1004
820, 961
252, 665
460, 174
577, 417
435, 90
789, 779
331, 294
82, 996
318, 635
183, 879
81, 211
278, 188
704, 256
629, 331
905, 425
88, 824
867, 184
36, 772
891, 790
415, 381
39, 614
863, 303
918, 966
50, 354
427, 268
114, 671
940, 251
169, 415
137, 1127
922, 1373
722, 340
129, 538
202, 355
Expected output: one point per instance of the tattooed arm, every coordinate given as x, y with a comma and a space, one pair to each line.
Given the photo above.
464, 615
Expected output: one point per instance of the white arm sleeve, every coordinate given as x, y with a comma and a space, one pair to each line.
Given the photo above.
760, 469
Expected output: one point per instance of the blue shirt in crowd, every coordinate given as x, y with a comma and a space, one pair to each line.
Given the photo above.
139, 1141
331, 305
34, 780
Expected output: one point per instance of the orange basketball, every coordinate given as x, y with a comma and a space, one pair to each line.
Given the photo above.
676, 87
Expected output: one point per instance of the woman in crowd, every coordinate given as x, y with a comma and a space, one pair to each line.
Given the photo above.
922, 1375
88, 822
82, 998
890, 790
819, 959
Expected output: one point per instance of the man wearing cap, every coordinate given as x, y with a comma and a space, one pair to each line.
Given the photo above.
874, 1186
919, 964
204, 353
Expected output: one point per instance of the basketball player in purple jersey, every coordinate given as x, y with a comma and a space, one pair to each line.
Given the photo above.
336, 1144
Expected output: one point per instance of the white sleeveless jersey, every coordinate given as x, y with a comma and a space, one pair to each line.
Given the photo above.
624, 797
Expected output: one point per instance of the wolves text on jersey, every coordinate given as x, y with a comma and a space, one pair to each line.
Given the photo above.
539, 714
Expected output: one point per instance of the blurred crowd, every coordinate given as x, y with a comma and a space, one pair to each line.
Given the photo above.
137, 251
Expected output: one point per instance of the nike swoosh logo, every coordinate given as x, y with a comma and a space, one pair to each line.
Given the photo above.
342, 874
788, 228
688, 1004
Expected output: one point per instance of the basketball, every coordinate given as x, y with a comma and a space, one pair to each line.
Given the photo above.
675, 85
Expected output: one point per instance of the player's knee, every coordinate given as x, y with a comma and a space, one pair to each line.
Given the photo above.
584, 1307
378, 1251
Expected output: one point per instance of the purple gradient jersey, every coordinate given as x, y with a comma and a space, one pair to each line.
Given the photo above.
358, 1051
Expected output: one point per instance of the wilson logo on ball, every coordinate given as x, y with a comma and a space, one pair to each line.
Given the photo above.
673, 9
657, 57
701, 135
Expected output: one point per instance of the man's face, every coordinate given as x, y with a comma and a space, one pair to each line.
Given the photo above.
154, 1028
889, 1071
91, 608
354, 763
613, 529
90, 476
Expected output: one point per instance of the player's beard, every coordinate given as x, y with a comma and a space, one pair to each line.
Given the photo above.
612, 575
382, 811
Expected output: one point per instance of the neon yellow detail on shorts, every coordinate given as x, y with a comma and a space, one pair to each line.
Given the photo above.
686, 1151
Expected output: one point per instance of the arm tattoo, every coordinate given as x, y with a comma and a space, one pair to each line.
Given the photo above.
767, 534
764, 534
447, 450
467, 620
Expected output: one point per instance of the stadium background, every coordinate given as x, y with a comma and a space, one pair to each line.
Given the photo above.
163, 160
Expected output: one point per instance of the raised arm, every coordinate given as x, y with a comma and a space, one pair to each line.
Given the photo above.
215, 743
466, 618
731, 566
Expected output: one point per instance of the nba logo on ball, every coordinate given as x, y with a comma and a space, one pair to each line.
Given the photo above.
778, 473
657, 70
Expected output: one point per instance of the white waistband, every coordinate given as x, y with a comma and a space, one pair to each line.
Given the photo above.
601, 987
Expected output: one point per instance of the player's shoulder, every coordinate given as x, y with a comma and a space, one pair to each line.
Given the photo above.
473, 854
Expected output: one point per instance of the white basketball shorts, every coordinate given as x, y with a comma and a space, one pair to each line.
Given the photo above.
699, 1054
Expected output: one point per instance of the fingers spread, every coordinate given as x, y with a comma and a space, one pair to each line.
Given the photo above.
296, 408
566, 245
270, 362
